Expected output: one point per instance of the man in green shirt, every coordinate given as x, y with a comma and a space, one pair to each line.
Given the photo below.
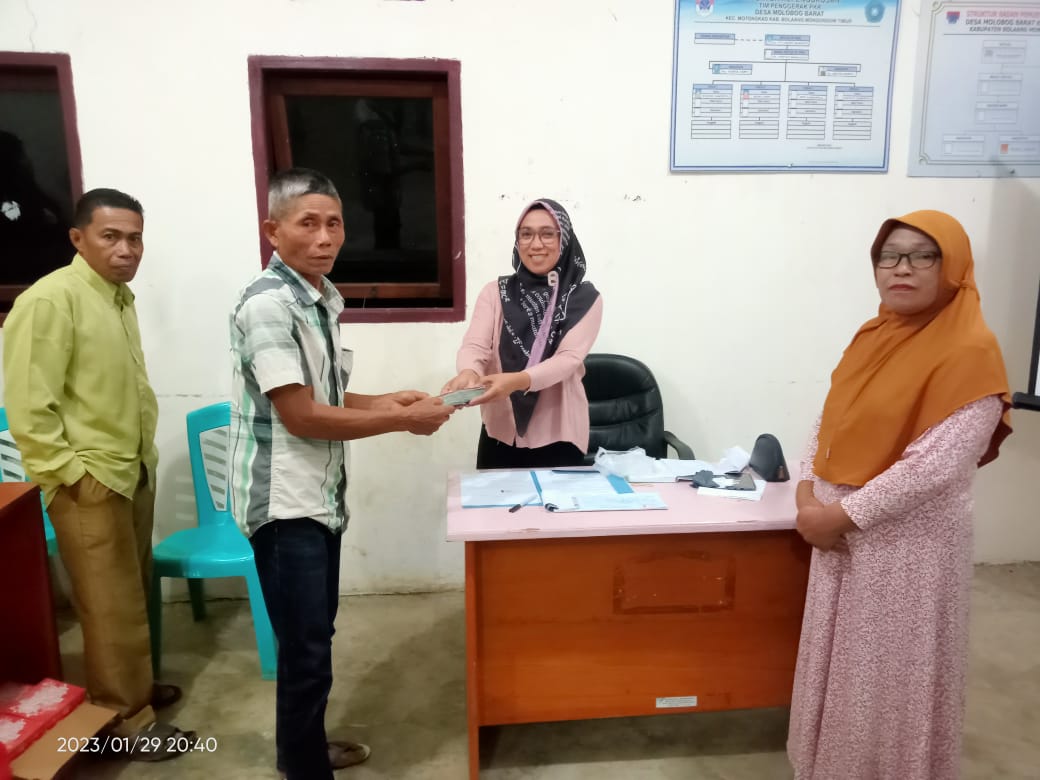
83, 415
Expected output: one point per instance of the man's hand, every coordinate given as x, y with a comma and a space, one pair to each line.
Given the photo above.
464, 379
360, 416
425, 416
502, 386
392, 401
822, 526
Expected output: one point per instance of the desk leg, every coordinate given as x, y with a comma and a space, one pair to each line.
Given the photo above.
472, 662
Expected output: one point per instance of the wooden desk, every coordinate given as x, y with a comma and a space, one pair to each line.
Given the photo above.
608, 614
29, 650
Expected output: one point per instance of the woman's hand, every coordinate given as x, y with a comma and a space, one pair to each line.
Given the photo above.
464, 379
823, 526
501, 386
804, 496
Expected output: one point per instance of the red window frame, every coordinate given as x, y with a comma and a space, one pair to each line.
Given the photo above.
270, 78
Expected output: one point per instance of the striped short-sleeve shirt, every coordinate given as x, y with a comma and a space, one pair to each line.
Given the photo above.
284, 332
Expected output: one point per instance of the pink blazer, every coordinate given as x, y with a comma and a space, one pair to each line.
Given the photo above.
562, 413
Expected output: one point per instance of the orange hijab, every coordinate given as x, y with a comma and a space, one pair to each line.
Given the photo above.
903, 374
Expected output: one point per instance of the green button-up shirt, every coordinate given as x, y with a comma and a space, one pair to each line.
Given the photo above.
75, 385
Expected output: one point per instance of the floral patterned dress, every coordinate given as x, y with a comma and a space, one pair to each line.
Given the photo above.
879, 682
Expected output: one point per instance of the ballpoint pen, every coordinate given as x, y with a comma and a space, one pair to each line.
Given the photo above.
525, 502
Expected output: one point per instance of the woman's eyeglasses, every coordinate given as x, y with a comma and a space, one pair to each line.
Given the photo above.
920, 260
526, 235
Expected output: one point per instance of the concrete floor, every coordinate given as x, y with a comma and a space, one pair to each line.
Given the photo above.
400, 687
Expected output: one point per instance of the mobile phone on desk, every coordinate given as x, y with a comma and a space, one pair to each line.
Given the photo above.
742, 481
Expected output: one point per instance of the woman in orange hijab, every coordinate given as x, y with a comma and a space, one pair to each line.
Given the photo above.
918, 402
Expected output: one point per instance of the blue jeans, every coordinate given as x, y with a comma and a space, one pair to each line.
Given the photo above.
298, 565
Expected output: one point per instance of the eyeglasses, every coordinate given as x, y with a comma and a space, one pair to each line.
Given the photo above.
526, 235
920, 260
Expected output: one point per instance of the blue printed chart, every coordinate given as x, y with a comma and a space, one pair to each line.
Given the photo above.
782, 84
977, 96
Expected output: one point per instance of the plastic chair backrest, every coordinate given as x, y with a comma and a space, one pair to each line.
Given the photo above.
11, 469
208, 431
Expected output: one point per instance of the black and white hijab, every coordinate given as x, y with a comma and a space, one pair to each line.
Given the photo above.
529, 334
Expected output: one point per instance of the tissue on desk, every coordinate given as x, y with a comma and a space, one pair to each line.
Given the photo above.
636, 466
733, 459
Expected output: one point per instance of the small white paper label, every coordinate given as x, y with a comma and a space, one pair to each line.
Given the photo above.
667, 702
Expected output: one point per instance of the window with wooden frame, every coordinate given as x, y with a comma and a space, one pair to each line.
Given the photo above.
40, 169
388, 134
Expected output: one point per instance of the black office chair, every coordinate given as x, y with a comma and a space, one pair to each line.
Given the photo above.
625, 408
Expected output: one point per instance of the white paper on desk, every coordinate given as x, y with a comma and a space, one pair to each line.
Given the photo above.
497, 488
745, 495
669, 470
636, 466
600, 502
574, 481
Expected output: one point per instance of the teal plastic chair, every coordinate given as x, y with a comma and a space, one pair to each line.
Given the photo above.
216, 547
11, 471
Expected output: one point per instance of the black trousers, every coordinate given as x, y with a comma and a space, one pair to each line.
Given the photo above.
494, 454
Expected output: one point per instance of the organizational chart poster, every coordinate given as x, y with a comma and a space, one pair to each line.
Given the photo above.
977, 93
782, 84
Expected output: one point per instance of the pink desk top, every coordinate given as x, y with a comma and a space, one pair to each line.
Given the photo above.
687, 512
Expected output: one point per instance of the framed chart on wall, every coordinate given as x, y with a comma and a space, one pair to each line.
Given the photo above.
977, 90
782, 85
1031, 398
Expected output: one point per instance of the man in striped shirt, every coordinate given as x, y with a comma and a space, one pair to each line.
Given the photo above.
291, 424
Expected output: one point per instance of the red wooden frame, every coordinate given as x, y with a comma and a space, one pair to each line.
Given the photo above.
263, 67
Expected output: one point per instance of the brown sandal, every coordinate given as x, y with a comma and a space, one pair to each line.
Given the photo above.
165, 695
158, 742
343, 753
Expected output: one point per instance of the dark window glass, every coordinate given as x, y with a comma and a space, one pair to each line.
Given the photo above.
386, 138
35, 184
379, 153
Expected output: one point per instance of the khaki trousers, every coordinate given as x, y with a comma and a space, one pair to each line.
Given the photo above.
105, 541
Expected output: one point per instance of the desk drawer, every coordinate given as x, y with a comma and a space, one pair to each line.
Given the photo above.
604, 627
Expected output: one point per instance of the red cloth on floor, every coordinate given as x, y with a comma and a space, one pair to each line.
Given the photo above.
27, 711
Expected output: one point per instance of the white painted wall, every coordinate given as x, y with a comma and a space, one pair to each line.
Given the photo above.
740, 291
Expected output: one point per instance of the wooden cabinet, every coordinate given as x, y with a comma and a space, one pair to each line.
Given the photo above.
29, 646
